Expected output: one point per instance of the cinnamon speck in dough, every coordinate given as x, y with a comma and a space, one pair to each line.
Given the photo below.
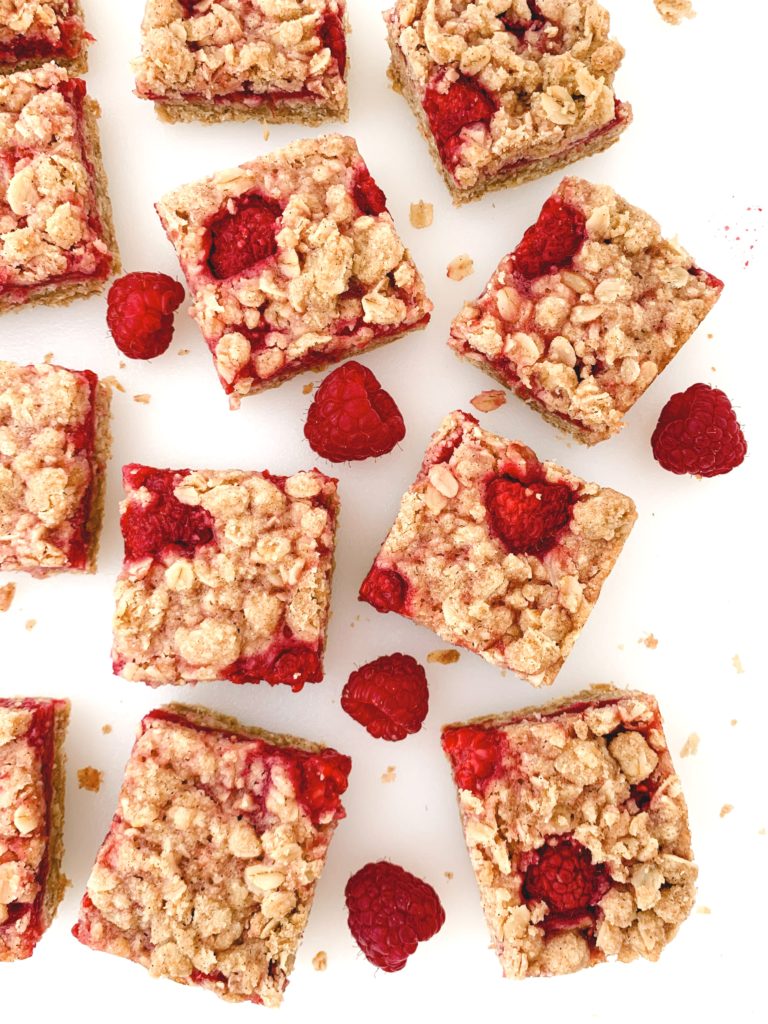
7, 593
90, 778
320, 961
691, 746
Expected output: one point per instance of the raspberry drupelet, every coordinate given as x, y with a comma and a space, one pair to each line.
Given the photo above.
388, 696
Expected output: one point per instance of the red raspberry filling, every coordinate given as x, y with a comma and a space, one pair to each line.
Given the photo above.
527, 518
287, 662
332, 36
368, 196
388, 696
698, 433
163, 521
385, 589
463, 104
475, 755
552, 241
243, 237
321, 780
562, 875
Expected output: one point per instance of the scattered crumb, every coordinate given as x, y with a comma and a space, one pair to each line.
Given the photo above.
106, 729
266, 134
30, 624
308, 388
48, 357
90, 778
621, 647
113, 383
710, 336
460, 268
691, 746
7, 593
673, 11
725, 809
390, 775
183, 352
444, 657
448, 875
703, 910
650, 641
320, 960
734, 721
122, 364
487, 401
761, 832
736, 662
142, 399
422, 214
66, 883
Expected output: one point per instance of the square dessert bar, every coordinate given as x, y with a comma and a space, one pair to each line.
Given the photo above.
33, 32
293, 262
587, 311
31, 820
227, 575
577, 829
57, 240
54, 447
277, 60
209, 867
498, 552
505, 91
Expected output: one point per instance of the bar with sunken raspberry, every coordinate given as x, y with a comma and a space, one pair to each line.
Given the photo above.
227, 575
587, 311
498, 552
57, 240
506, 91
577, 829
33, 32
54, 446
293, 262
208, 871
238, 59
32, 732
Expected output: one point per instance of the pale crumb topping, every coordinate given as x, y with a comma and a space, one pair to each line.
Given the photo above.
40, 21
649, 641
30, 624
571, 774
7, 594
142, 399
703, 910
691, 745
488, 401
90, 779
340, 281
320, 961
390, 775
736, 662
236, 50
422, 214
443, 657
583, 343
675, 11
522, 612
460, 267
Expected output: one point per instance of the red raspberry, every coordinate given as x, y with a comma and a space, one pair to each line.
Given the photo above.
552, 241
463, 104
162, 521
527, 517
385, 589
352, 417
296, 666
563, 876
368, 196
698, 433
475, 755
140, 310
390, 912
332, 35
388, 696
243, 238
324, 777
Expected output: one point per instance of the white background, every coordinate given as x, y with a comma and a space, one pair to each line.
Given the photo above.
692, 572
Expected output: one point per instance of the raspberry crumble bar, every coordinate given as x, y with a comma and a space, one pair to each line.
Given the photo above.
208, 871
587, 311
293, 262
31, 820
277, 60
227, 575
33, 32
577, 829
54, 447
507, 90
57, 241
498, 552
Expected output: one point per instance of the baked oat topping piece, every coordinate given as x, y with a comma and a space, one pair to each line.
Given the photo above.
56, 235
293, 262
507, 90
577, 829
35, 31
277, 60
498, 552
54, 447
587, 311
208, 870
227, 575
32, 734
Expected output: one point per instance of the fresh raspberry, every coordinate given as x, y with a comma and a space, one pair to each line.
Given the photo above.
388, 696
464, 103
162, 521
390, 912
552, 241
698, 433
563, 876
475, 755
352, 417
243, 238
368, 196
324, 777
332, 35
140, 310
385, 589
527, 517
296, 666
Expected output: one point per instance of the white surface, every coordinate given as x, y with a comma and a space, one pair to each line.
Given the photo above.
691, 573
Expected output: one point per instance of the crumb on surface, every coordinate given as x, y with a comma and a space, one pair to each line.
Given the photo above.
122, 364
90, 778
265, 134
460, 267
725, 809
390, 775
734, 721
48, 357
761, 831
703, 910
621, 647
448, 875
183, 352
650, 641
736, 662
691, 746
487, 401
320, 960
308, 388
113, 383
422, 214
142, 399
30, 624
674, 11
443, 657
7, 593
106, 729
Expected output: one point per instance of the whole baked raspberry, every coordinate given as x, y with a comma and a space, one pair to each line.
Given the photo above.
324, 777
698, 433
368, 196
562, 874
388, 696
527, 517
332, 35
241, 239
462, 104
140, 308
390, 912
296, 666
351, 416
161, 521
385, 589
475, 755
552, 241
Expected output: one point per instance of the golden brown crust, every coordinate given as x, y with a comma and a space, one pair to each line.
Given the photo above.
199, 715
76, 65
57, 880
102, 450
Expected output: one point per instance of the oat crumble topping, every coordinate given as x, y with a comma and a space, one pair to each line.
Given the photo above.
460, 267
90, 779
320, 961
675, 11
422, 214
488, 401
7, 594
33, 31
